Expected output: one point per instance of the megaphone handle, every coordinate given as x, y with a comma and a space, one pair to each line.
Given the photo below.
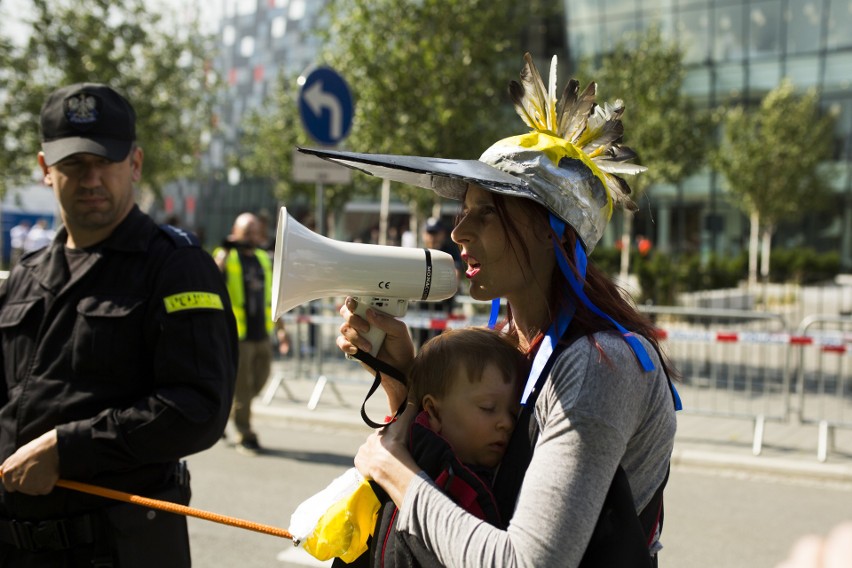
395, 307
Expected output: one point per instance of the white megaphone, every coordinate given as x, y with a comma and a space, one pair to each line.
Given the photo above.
308, 266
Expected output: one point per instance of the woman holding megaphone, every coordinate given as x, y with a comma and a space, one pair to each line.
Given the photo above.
582, 481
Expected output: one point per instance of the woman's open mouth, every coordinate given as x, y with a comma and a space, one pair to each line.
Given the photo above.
473, 266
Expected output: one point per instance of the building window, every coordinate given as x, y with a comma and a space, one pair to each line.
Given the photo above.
245, 7
839, 24
729, 34
581, 10
584, 39
247, 46
620, 8
764, 75
803, 27
297, 9
278, 27
693, 33
229, 35
764, 28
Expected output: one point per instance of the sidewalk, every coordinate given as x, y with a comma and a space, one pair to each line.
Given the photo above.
701, 441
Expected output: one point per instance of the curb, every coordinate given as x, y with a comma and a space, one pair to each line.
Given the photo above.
720, 459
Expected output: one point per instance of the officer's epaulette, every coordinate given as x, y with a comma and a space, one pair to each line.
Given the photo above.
180, 237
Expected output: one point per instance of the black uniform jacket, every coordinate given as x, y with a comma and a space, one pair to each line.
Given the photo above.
133, 361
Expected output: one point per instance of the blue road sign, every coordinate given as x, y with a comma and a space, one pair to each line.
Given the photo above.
325, 105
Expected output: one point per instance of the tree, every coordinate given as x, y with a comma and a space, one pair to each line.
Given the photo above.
660, 123
157, 64
428, 77
770, 157
425, 81
271, 135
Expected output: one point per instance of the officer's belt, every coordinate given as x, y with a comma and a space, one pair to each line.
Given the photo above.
59, 534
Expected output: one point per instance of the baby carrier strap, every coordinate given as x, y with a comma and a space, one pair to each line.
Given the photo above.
621, 537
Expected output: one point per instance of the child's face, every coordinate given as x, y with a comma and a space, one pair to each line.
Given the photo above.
476, 418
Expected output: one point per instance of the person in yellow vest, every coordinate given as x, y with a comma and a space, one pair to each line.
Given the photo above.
248, 277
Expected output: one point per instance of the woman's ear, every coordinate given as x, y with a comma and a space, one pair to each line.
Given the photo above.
432, 407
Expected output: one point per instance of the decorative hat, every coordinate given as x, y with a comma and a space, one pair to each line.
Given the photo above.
570, 162
87, 118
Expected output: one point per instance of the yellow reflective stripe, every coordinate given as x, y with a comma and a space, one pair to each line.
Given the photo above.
193, 301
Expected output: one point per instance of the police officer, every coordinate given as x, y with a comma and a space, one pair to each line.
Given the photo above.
118, 349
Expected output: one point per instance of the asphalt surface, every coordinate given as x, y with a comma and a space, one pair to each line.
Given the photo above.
725, 505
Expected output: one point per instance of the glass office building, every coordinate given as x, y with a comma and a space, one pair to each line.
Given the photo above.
735, 52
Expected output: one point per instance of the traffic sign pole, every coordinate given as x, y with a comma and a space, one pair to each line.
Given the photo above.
325, 105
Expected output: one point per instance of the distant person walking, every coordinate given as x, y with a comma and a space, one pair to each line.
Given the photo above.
248, 276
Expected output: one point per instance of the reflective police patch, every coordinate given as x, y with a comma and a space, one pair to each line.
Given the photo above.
193, 301
81, 108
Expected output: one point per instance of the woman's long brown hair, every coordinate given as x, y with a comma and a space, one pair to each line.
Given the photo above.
599, 288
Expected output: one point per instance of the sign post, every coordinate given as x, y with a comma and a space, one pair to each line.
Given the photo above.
326, 109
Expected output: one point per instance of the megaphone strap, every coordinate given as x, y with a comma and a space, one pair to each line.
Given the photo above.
380, 367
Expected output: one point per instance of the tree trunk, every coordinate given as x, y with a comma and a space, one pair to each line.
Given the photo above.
753, 242
766, 245
627, 228
384, 212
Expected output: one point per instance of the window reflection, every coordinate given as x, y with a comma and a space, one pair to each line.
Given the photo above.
839, 24
729, 43
693, 29
803, 27
765, 22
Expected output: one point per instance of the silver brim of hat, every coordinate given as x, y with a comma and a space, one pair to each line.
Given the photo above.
532, 177
447, 177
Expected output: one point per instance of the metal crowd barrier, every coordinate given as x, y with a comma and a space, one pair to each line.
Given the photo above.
822, 378
733, 363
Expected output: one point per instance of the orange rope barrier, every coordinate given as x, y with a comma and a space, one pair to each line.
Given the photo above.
172, 507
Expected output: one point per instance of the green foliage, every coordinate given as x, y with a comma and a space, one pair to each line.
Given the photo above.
663, 277
717, 272
606, 259
770, 155
804, 266
423, 81
271, 135
660, 123
158, 66
429, 77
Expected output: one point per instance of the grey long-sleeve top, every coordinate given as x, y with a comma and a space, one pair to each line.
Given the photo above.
597, 410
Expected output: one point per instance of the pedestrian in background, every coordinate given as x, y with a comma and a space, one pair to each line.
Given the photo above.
17, 238
435, 236
118, 356
39, 236
248, 276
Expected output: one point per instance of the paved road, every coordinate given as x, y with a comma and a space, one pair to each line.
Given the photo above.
716, 516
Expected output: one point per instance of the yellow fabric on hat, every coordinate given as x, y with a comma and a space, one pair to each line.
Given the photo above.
555, 149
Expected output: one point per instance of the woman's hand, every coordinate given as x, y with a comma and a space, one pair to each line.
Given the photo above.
385, 458
397, 349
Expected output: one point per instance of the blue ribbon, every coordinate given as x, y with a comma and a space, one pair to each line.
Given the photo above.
577, 286
495, 311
